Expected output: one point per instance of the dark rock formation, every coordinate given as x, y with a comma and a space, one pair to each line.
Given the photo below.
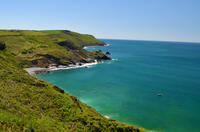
41, 62
108, 53
69, 45
50, 57
41, 71
40, 85
2, 45
104, 57
47, 60
59, 89
87, 60
50, 60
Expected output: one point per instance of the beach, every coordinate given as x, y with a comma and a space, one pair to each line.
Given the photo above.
36, 70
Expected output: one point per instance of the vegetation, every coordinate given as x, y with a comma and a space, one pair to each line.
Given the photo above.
30, 104
37, 46
51, 31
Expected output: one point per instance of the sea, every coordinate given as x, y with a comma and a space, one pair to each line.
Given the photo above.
151, 84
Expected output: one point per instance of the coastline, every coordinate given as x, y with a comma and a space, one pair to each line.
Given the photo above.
25, 92
38, 70
105, 45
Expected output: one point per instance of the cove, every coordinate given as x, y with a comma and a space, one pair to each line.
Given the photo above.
126, 88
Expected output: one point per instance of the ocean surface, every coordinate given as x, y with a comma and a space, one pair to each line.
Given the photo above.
127, 87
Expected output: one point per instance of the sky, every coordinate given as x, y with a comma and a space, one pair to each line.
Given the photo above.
165, 20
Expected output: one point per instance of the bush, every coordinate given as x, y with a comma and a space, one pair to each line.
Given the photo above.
2, 45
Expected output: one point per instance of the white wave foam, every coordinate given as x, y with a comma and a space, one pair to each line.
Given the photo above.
33, 70
106, 116
107, 45
86, 65
115, 59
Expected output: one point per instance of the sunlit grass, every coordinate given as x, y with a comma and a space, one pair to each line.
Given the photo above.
30, 104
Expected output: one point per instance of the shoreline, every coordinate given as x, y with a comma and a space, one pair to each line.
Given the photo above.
85, 47
38, 70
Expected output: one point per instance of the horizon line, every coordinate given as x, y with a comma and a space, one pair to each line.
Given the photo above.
177, 41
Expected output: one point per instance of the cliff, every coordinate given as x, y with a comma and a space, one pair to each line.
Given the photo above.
30, 104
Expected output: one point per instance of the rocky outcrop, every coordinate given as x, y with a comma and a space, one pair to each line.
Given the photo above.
2, 46
108, 53
59, 89
68, 44
87, 60
47, 60
104, 57
99, 55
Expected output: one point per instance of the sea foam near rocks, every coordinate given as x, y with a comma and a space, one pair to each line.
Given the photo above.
35, 70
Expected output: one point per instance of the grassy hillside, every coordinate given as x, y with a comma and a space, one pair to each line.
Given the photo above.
43, 47
30, 104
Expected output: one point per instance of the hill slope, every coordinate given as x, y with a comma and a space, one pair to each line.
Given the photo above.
42, 48
30, 104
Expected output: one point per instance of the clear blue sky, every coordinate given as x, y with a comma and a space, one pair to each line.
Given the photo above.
171, 20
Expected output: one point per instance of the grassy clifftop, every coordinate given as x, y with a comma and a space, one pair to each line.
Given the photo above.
30, 104
42, 48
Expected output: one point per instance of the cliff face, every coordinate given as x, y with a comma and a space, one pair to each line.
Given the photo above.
30, 104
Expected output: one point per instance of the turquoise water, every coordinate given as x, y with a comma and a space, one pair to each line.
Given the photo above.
126, 88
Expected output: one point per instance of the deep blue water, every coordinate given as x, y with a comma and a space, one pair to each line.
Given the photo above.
126, 88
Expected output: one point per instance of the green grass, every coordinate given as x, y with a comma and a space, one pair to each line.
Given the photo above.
8, 33
26, 45
85, 38
30, 104
51, 31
